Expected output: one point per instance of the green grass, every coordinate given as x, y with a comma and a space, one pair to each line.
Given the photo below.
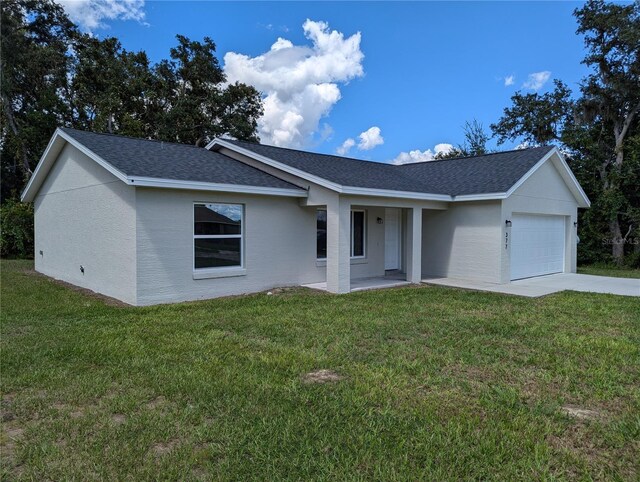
439, 384
610, 270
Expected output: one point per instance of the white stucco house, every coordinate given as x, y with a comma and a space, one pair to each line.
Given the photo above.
151, 222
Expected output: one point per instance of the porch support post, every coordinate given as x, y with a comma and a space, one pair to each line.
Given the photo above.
339, 246
414, 251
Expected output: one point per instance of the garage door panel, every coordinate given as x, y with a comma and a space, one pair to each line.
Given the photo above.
537, 245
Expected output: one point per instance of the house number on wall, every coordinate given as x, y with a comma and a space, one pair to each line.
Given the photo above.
506, 240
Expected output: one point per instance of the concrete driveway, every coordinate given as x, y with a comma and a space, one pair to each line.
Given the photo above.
545, 285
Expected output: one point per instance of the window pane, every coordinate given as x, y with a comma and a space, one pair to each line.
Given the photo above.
321, 227
217, 252
218, 219
358, 233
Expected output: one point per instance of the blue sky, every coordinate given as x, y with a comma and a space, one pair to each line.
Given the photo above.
417, 71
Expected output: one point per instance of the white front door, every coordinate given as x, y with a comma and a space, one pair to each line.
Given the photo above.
391, 238
537, 245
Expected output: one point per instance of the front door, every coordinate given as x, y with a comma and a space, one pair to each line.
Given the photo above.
391, 239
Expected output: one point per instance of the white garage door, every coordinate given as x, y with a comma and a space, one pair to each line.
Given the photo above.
537, 245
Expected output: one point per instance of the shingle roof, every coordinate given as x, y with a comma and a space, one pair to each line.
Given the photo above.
165, 160
491, 173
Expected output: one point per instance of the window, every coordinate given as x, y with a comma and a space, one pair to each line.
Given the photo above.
217, 235
321, 233
358, 228
357, 234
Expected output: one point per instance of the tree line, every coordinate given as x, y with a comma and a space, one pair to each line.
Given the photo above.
52, 74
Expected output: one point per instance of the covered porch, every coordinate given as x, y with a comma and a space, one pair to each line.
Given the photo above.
366, 243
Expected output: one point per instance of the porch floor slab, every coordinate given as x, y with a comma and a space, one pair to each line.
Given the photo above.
364, 284
545, 285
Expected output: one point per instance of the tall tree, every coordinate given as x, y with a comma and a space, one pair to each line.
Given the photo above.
611, 93
52, 75
193, 102
34, 61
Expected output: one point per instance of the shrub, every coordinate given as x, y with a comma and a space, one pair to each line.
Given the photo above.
16, 229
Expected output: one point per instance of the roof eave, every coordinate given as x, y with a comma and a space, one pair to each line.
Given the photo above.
215, 187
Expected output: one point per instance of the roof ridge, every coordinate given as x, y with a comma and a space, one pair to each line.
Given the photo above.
480, 155
130, 137
386, 163
309, 152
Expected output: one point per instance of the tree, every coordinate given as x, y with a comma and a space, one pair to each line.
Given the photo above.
108, 88
536, 118
475, 143
611, 95
192, 102
53, 75
34, 62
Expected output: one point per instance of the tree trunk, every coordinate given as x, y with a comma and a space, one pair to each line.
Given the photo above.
617, 241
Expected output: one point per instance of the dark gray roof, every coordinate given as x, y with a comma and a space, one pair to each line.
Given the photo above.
166, 160
491, 173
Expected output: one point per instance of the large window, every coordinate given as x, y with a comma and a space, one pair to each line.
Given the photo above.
217, 235
358, 230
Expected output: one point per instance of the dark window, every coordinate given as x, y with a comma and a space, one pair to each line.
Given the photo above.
357, 234
215, 252
217, 233
321, 233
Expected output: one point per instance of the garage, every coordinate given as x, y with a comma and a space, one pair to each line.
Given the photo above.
537, 245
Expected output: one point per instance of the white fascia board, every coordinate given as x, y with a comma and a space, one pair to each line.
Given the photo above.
210, 186
480, 197
364, 191
50, 154
278, 165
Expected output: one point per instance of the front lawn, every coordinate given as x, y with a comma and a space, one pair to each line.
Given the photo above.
426, 382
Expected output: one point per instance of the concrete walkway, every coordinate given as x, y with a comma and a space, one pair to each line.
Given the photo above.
545, 285
364, 284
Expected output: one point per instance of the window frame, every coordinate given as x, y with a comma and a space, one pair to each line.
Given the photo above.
351, 234
217, 269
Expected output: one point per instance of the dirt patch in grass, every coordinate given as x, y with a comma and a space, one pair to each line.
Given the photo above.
581, 413
322, 376
163, 448
118, 418
156, 404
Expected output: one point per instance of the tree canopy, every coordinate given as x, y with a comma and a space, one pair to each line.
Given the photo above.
54, 75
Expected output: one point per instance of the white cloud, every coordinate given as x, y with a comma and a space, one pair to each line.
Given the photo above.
509, 80
300, 83
370, 139
346, 147
422, 156
537, 80
92, 14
